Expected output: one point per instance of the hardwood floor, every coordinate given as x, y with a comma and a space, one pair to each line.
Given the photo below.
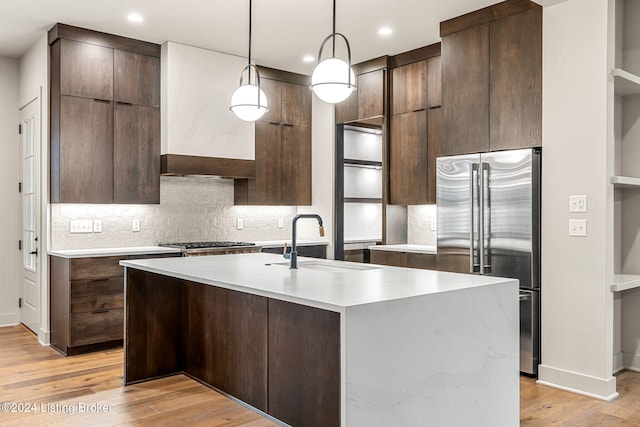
54, 386
57, 390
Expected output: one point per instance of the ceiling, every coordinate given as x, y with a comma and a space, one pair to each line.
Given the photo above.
283, 30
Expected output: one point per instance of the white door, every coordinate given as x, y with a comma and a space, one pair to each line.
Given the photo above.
30, 178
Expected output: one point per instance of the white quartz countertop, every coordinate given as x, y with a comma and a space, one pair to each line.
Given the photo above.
280, 243
99, 252
422, 249
327, 284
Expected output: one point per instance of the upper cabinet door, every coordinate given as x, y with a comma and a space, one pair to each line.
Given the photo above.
516, 81
409, 88
347, 110
86, 151
137, 78
465, 91
408, 159
296, 165
296, 105
273, 91
370, 94
86, 70
434, 79
136, 154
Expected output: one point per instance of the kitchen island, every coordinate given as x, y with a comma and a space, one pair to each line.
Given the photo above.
332, 343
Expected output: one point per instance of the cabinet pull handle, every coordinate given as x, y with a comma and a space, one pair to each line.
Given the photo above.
123, 103
101, 100
104, 279
274, 123
99, 311
287, 125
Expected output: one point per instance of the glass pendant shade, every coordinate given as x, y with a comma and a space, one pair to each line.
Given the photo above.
333, 80
247, 105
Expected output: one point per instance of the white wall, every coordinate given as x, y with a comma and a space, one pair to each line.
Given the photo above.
323, 151
190, 209
576, 302
33, 83
9, 177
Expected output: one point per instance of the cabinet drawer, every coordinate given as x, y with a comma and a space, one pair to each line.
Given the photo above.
96, 327
101, 294
95, 268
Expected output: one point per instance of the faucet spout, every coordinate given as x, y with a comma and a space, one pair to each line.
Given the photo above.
294, 246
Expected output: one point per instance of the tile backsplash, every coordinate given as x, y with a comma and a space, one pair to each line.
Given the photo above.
190, 209
421, 225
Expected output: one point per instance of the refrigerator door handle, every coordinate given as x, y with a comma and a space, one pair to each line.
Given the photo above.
485, 256
474, 264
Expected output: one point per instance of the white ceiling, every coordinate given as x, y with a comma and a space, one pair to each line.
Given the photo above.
283, 30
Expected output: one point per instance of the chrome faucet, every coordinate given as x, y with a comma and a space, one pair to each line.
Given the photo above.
294, 247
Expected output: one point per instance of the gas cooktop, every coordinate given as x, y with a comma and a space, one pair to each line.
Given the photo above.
205, 245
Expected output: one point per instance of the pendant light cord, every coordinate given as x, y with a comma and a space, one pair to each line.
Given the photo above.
334, 28
250, 9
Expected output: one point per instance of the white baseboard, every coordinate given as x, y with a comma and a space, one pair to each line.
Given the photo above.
599, 388
618, 362
44, 337
9, 319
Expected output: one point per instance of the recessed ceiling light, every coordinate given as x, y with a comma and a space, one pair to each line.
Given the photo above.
385, 31
134, 17
308, 58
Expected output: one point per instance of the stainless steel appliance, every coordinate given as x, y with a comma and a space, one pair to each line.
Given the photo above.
489, 223
214, 248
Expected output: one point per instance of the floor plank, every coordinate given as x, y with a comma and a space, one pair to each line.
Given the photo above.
58, 386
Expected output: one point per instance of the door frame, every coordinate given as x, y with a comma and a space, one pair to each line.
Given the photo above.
40, 95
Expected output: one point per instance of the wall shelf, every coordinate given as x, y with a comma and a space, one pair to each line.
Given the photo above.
623, 282
625, 182
625, 83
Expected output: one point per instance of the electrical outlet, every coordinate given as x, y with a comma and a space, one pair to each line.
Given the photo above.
135, 225
578, 227
97, 226
239, 223
280, 222
577, 203
434, 225
81, 226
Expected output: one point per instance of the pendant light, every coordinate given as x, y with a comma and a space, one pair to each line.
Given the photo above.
333, 79
248, 101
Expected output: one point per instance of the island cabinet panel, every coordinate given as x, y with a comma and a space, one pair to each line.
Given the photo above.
304, 365
465, 91
136, 175
86, 70
86, 150
156, 326
516, 81
136, 78
226, 343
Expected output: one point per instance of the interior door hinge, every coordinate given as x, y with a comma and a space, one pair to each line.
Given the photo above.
19, 302
19, 187
20, 129
19, 245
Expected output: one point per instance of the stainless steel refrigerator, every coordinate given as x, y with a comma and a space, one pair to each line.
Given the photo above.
489, 223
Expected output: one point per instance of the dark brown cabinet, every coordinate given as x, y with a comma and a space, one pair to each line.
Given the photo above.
105, 118
465, 91
408, 158
434, 150
415, 92
86, 303
85, 78
404, 259
492, 79
367, 102
86, 128
136, 173
282, 149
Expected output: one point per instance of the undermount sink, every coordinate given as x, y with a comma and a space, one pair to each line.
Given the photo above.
327, 266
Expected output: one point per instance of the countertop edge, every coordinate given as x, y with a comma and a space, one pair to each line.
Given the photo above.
105, 252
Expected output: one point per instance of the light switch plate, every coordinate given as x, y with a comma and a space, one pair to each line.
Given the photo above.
81, 226
280, 222
577, 203
578, 227
239, 223
97, 226
434, 225
135, 225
